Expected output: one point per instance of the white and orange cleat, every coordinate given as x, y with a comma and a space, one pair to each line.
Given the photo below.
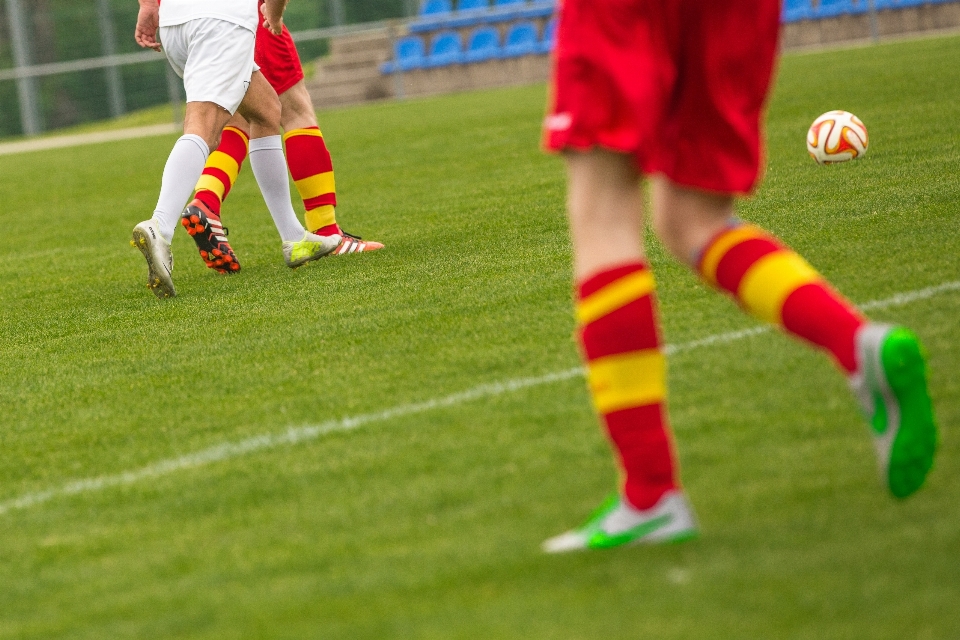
354, 244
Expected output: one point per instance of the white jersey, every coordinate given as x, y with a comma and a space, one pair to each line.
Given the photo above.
245, 13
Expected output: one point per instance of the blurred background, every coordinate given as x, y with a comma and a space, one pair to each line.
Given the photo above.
65, 63
48, 32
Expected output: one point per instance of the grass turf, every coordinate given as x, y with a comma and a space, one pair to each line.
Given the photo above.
428, 526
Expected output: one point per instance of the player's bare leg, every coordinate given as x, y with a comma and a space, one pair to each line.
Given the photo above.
312, 169
620, 341
685, 220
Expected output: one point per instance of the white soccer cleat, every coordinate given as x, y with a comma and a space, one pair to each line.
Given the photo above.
617, 523
159, 257
310, 247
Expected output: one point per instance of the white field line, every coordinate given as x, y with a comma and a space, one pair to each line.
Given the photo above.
295, 435
81, 139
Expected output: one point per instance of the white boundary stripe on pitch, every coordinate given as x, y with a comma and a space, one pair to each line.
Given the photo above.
94, 137
296, 435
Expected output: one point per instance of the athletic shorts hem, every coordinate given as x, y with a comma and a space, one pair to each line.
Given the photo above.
215, 59
278, 59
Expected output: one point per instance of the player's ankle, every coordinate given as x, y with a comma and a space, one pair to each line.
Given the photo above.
210, 201
328, 230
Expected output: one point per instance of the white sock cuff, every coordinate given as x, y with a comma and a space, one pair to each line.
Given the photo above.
267, 143
200, 142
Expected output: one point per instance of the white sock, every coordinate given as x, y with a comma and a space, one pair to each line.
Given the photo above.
270, 168
183, 169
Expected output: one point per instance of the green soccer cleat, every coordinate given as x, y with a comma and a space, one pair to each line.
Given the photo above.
311, 247
892, 389
616, 523
159, 257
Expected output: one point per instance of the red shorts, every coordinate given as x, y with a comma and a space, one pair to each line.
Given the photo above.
679, 84
278, 59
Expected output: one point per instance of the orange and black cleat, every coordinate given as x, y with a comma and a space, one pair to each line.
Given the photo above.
210, 236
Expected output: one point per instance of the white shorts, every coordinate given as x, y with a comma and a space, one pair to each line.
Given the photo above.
214, 58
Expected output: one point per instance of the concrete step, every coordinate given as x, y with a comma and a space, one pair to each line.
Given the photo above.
360, 42
346, 76
371, 58
328, 96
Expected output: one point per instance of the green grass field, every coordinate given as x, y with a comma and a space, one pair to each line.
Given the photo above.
427, 524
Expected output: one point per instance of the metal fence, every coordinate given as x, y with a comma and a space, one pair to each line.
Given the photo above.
66, 62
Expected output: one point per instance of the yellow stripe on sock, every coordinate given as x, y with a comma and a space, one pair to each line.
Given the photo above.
320, 217
766, 285
302, 132
617, 294
210, 183
723, 244
627, 380
316, 185
223, 162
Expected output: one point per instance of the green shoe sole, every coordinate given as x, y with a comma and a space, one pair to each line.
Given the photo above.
915, 443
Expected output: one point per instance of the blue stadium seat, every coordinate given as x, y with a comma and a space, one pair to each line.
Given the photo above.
549, 39
896, 4
831, 8
506, 10
469, 13
539, 9
445, 49
484, 45
408, 53
794, 10
433, 15
521, 40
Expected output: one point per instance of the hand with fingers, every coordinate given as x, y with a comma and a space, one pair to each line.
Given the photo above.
148, 23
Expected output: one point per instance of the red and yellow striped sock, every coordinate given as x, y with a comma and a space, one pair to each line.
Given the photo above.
620, 339
773, 283
312, 169
222, 169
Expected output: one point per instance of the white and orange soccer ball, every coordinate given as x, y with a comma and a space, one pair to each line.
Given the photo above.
837, 136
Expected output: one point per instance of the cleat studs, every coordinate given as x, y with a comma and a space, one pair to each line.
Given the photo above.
133, 244
194, 218
217, 252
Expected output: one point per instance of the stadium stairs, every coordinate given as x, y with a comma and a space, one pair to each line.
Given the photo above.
481, 44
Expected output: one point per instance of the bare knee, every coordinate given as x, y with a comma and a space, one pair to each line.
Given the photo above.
297, 108
267, 115
205, 119
686, 219
261, 107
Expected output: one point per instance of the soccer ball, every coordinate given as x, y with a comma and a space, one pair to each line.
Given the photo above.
836, 136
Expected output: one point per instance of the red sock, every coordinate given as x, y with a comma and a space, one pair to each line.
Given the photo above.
222, 169
616, 311
312, 169
775, 284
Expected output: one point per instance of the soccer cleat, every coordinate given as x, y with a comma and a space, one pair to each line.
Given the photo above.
310, 247
159, 256
892, 389
354, 244
617, 523
210, 237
